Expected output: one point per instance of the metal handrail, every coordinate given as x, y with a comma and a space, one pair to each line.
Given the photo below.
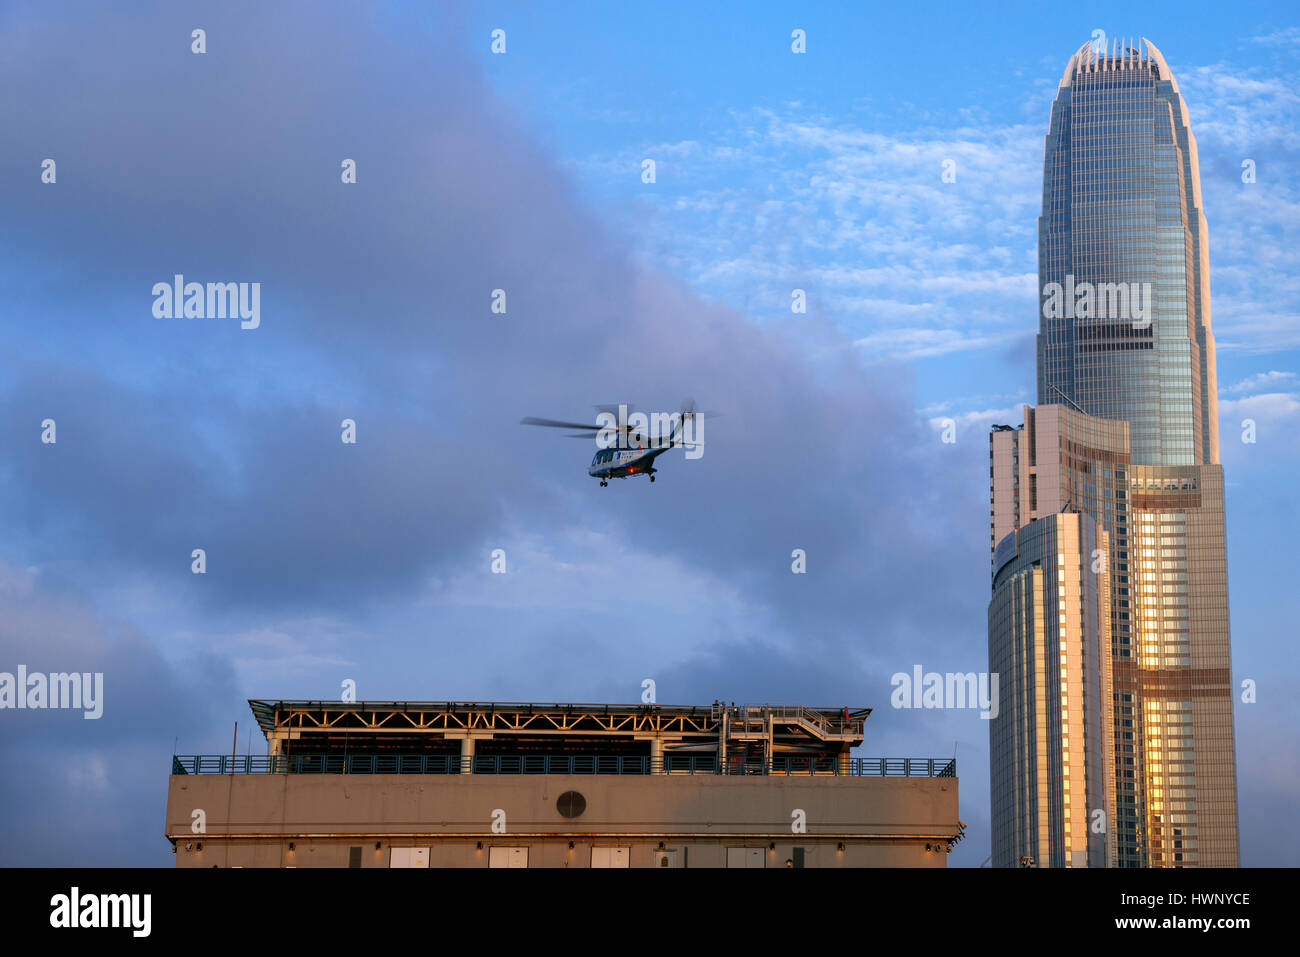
826, 723
558, 764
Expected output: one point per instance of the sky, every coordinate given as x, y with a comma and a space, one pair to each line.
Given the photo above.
524, 171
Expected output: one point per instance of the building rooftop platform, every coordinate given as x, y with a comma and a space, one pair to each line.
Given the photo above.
339, 724
499, 737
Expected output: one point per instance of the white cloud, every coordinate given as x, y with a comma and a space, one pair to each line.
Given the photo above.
787, 197
1282, 37
921, 343
1269, 407
862, 221
1262, 380
981, 420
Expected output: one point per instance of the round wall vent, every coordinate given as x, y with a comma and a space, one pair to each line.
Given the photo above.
570, 804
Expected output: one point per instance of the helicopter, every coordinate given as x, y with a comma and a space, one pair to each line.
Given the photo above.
628, 448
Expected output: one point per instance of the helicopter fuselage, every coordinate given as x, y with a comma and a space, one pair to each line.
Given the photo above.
621, 463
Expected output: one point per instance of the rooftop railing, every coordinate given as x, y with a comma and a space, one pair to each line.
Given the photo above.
557, 764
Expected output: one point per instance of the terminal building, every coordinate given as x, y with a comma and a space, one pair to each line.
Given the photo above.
460, 784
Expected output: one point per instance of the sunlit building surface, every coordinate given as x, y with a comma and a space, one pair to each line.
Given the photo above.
1052, 761
462, 784
1122, 213
1126, 433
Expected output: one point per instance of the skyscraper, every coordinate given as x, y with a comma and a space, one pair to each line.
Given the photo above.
1121, 214
1126, 434
1051, 763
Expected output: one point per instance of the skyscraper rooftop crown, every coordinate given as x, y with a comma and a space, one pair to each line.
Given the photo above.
1117, 53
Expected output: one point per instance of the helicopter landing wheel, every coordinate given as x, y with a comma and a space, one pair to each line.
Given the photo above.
652, 478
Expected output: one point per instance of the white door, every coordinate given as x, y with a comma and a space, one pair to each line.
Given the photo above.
408, 857
609, 856
745, 857
508, 857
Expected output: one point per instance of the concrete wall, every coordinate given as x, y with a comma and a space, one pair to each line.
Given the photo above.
251, 819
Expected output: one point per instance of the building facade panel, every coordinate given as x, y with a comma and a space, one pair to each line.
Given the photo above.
251, 820
1051, 744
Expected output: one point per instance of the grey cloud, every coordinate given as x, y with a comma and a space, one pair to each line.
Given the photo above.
380, 292
375, 306
77, 791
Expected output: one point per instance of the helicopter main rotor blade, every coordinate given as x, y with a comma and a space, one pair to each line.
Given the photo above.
556, 424
628, 436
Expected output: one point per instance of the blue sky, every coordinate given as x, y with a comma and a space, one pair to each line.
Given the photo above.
522, 171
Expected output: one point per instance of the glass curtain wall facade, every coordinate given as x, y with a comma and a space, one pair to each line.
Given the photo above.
1126, 432
1051, 759
1123, 231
